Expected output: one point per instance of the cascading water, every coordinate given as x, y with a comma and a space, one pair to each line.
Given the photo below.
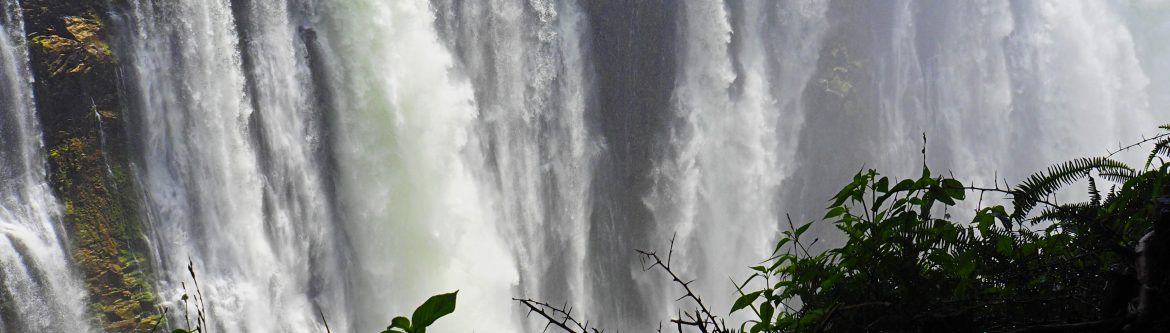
39, 291
408, 169
1000, 89
344, 159
227, 164
736, 111
532, 88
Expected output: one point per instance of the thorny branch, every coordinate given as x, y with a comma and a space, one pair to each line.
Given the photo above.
1136, 144
701, 318
560, 317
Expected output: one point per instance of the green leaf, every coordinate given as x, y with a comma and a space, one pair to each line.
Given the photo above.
984, 221
835, 212
1028, 248
853, 232
759, 327
903, 185
180, 330
780, 244
882, 185
802, 229
846, 192
400, 322
954, 189
434, 308
830, 282
766, 312
1003, 245
966, 268
945, 198
744, 301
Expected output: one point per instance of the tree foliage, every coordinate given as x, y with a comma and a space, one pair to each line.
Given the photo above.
908, 265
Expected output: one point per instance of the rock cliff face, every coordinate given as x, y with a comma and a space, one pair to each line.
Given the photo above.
77, 98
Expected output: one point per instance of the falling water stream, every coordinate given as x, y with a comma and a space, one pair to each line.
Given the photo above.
39, 290
344, 159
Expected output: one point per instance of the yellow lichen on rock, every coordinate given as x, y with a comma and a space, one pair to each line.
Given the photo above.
120, 293
78, 52
76, 91
56, 44
87, 32
81, 28
838, 80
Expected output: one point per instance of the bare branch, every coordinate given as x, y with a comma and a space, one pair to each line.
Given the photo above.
1139, 143
702, 318
560, 317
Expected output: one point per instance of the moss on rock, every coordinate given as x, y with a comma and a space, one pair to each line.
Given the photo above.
76, 51
99, 212
77, 99
838, 77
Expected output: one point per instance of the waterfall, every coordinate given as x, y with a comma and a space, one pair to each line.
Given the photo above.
531, 83
342, 160
730, 143
408, 169
311, 159
229, 138
39, 291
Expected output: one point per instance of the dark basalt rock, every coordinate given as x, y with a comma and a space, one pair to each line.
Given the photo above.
77, 98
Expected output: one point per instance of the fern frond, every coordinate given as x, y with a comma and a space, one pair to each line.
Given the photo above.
1043, 184
1049, 214
1094, 194
1118, 175
1162, 147
1065, 213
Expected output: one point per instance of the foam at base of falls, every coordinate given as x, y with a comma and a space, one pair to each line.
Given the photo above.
407, 170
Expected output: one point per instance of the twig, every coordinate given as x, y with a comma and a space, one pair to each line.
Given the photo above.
701, 318
796, 238
323, 320
1139, 143
560, 317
